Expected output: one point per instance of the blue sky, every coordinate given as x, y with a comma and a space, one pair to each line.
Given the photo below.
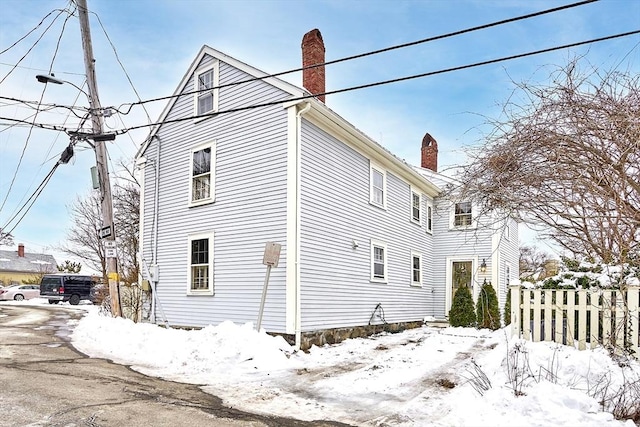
156, 41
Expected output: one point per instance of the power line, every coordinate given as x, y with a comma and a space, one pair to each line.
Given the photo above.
26, 143
35, 44
385, 82
375, 52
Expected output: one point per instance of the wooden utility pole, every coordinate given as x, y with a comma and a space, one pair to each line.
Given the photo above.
108, 230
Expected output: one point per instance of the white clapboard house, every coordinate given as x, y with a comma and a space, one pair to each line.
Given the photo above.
366, 239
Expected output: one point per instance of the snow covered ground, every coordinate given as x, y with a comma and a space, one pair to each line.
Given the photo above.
420, 377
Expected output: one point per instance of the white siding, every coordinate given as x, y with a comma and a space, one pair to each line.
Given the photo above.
473, 244
336, 290
249, 208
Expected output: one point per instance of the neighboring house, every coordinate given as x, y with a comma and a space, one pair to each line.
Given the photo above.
366, 238
19, 266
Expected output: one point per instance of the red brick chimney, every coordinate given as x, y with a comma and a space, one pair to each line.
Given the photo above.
313, 53
20, 250
429, 153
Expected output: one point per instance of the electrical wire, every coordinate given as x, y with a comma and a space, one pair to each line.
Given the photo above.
60, 12
115, 52
34, 105
384, 82
26, 206
362, 55
28, 139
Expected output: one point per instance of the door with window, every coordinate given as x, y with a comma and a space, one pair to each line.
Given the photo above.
460, 276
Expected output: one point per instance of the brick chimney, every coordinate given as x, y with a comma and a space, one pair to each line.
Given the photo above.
20, 250
429, 153
313, 53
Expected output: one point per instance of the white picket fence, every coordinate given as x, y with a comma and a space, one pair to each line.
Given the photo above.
582, 318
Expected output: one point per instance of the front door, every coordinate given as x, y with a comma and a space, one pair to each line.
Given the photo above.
461, 276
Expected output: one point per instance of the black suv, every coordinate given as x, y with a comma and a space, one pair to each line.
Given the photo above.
67, 287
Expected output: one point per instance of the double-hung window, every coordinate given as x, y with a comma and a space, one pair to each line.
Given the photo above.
378, 186
462, 214
416, 269
416, 206
429, 219
202, 176
378, 262
206, 91
200, 275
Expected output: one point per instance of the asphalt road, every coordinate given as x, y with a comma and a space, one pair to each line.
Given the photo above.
44, 381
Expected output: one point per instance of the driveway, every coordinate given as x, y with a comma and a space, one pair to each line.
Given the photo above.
44, 381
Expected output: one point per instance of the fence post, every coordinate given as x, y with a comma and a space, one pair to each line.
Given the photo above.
571, 316
606, 318
620, 316
537, 308
559, 316
526, 314
548, 301
582, 319
594, 335
515, 309
633, 311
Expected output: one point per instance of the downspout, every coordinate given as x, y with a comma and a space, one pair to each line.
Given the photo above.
298, 310
154, 234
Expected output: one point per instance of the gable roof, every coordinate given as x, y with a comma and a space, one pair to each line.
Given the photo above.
294, 91
29, 263
323, 114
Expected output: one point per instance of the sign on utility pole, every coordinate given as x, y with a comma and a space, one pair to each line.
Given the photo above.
270, 259
101, 154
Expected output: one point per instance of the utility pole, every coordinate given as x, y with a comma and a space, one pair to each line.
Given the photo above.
108, 230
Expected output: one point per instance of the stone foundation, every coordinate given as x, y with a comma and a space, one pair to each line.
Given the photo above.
334, 336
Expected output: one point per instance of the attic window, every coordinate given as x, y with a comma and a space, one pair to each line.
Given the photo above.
206, 96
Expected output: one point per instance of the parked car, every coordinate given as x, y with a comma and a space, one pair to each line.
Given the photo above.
67, 287
19, 292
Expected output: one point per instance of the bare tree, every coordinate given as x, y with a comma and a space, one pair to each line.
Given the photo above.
566, 156
532, 260
84, 242
83, 239
126, 206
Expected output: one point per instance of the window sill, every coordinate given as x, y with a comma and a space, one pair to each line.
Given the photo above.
202, 202
462, 227
416, 222
209, 115
376, 280
416, 285
379, 206
208, 293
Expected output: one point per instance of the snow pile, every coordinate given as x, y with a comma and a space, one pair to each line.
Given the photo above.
424, 376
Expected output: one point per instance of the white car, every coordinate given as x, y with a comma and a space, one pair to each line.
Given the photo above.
20, 292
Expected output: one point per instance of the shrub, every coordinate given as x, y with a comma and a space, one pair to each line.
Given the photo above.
487, 309
507, 309
571, 264
462, 312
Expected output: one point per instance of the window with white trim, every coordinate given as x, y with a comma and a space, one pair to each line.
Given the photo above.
507, 230
378, 187
202, 174
429, 217
462, 214
416, 269
200, 275
507, 275
205, 86
378, 262
416, 206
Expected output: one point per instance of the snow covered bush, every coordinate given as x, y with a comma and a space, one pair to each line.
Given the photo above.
507, 309
462, 311
487, 310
